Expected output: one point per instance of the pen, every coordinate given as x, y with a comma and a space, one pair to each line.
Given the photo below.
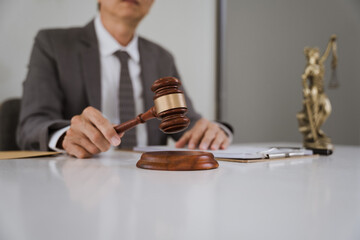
284, 155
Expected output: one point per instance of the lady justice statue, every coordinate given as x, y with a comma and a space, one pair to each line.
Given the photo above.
316, 105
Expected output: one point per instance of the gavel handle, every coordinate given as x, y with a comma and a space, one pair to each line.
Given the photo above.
141, 118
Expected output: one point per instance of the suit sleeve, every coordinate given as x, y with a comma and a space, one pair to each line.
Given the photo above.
41, 108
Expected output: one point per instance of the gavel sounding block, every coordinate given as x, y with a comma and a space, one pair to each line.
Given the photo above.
177, 161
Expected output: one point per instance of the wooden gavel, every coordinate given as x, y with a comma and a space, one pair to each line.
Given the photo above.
170, 107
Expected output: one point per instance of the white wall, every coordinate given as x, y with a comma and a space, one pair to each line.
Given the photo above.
19, 22
186, 28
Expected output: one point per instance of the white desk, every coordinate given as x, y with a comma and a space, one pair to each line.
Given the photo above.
109, 198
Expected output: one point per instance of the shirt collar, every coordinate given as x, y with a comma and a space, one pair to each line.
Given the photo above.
108, 45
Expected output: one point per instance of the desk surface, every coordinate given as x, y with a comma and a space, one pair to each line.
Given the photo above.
109, 198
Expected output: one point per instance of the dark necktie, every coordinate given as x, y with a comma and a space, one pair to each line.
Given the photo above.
126, 100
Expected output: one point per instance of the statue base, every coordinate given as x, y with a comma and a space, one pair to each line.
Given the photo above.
177, 161
322, 148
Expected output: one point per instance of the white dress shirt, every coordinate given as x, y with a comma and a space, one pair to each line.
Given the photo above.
110, 75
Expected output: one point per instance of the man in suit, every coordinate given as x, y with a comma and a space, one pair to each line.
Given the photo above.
70, 97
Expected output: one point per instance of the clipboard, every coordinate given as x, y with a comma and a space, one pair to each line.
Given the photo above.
266, 159
245, 154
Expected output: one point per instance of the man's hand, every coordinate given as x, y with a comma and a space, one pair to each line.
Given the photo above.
205, 135
90, 133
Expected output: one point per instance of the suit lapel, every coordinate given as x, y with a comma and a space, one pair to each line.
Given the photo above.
90, 63
148, 71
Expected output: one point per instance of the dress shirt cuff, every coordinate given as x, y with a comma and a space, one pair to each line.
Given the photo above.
54, 138
227, 131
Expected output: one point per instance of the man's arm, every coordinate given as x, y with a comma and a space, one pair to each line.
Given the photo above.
42, 98
90, 133
43, 107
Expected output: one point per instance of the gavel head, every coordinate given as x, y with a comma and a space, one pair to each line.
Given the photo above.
170, 105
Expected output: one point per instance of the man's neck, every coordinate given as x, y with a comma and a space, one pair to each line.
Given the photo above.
122, 31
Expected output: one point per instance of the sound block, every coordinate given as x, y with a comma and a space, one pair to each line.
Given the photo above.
177, 161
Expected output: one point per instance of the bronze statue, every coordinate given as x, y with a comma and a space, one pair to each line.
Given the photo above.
317, 107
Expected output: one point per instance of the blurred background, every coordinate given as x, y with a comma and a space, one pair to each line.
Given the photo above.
240, 60
263, 60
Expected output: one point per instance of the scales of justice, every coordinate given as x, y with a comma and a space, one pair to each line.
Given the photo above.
316, 104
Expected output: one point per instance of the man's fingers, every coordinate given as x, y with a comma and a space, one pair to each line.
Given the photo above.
225, 144
104, 126
208, 138
183, 140
77, 151
198, 132
205, 135
96, 137
195, 139
218, 141
91, 148
90, 133
80, 140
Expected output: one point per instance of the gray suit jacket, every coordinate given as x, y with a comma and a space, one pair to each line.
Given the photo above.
64, 78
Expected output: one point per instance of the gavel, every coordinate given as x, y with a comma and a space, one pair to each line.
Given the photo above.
169, 106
